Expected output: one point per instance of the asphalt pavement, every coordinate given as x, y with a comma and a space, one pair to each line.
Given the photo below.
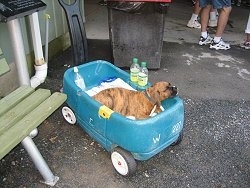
215, 150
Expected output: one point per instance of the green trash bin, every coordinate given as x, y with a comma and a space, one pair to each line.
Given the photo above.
136, 30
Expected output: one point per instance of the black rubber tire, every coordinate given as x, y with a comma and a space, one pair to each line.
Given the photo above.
125, 158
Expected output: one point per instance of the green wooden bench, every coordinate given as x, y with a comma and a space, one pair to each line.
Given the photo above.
21, 112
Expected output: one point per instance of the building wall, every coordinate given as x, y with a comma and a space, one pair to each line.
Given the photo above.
58, 41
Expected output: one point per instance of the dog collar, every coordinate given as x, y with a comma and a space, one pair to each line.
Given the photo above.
153, 102
148, 97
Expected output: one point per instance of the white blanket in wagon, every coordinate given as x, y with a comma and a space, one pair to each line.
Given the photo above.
118, 82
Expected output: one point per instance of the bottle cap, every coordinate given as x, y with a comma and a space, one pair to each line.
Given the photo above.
135, 60
75, 69
143, 64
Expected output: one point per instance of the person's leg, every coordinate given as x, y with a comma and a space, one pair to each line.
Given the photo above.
222, 20
213, 19
248, 37
205, 38
197, 8
246, 44
213, 14
205, 17
193, 22
247, 31
225, 9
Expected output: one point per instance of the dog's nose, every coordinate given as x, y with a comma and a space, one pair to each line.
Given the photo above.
174, 90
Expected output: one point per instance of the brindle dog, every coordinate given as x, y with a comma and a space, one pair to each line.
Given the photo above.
136, 103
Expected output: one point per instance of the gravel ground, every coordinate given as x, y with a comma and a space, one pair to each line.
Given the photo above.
214, 151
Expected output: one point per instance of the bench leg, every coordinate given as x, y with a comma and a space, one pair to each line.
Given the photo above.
39, 161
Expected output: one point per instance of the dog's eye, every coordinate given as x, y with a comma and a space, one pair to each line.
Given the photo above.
167, 88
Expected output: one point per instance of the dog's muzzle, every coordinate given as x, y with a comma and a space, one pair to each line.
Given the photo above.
174, 90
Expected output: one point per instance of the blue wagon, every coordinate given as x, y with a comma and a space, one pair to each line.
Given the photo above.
128, 140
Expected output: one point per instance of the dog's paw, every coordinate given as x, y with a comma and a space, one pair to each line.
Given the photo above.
153, 114
131, 117
161, 107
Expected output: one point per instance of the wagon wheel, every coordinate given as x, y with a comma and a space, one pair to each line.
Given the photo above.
68, 115
123, 162
179, 139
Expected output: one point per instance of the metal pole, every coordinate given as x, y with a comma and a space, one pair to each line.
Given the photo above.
39, 161
36, 38
47, 17
19, 52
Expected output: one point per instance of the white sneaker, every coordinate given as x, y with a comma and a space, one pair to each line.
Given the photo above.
245, 45
204, 41
220, 45
212, 23
194, 24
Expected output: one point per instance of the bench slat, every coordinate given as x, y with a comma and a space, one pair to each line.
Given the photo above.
22, 108
29, 123
14, 98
